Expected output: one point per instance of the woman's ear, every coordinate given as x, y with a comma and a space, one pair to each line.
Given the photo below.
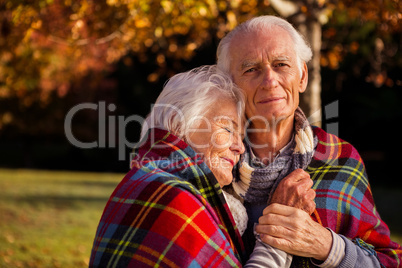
303, 78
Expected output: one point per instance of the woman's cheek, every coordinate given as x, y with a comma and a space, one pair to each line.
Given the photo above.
222, 140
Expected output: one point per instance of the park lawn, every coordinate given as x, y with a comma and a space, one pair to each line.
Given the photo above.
49, 218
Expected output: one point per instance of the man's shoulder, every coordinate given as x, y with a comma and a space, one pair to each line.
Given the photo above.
339, 174
331, 147
336, 165
327, 138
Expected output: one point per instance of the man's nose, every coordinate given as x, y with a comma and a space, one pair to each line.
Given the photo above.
269, 78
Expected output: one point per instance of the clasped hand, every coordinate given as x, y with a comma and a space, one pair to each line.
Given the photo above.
286, 223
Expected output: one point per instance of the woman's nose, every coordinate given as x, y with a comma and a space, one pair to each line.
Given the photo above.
237, 144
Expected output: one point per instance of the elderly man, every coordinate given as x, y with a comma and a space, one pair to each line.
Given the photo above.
267, 57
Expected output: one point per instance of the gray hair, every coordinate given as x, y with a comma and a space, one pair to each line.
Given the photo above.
188, 96
302, 49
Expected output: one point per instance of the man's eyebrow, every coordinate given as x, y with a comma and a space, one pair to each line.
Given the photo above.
248, 63
282, 58
251, 63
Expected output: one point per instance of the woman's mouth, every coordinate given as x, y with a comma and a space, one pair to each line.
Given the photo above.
229, 160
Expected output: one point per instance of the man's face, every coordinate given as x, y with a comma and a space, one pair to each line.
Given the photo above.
265, 66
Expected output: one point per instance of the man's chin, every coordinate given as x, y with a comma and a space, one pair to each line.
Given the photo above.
269, 119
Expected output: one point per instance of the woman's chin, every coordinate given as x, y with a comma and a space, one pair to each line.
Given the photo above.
224, 178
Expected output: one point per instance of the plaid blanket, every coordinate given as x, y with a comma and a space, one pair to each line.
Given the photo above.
168, 211
344, 199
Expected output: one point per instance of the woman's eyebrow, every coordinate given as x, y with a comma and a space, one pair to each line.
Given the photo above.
229, 121
236, 125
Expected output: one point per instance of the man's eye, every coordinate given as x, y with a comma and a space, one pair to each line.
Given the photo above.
281, 64
250, 70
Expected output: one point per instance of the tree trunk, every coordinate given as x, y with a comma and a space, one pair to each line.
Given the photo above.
310, 100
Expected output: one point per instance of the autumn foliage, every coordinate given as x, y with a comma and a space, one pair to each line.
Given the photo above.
49, 48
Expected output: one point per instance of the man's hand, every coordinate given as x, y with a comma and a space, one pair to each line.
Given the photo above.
295, 191
293, 231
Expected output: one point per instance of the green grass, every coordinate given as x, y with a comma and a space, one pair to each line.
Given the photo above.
49, 219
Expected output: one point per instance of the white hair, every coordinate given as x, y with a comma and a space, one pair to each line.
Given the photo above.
188, 96
263, 23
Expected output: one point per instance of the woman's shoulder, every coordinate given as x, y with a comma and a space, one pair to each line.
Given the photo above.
157, 195
164, 215
149, 180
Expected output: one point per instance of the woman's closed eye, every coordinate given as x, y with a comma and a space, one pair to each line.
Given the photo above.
228, 129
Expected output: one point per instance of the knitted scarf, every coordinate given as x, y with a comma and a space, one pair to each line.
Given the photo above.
256, 183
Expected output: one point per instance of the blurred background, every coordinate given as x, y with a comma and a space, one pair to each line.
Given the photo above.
86, 72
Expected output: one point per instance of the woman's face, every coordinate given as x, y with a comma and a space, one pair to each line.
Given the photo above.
218, 139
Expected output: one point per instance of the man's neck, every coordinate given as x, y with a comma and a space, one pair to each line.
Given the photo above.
268, 141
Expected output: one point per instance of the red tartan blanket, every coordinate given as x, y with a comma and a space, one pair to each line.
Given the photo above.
168, 211
344, 199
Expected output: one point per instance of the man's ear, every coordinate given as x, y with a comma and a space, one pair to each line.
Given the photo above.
303, 78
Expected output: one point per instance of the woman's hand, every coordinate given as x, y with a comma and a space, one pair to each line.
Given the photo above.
293, 231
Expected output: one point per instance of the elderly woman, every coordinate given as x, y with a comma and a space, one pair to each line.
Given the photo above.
170, 209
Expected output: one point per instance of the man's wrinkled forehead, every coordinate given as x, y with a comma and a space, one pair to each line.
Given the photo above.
247, 46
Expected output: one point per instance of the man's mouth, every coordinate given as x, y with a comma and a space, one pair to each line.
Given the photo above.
271, 100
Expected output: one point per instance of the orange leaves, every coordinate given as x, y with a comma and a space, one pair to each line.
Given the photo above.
89, 35
60, 40
368, 31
